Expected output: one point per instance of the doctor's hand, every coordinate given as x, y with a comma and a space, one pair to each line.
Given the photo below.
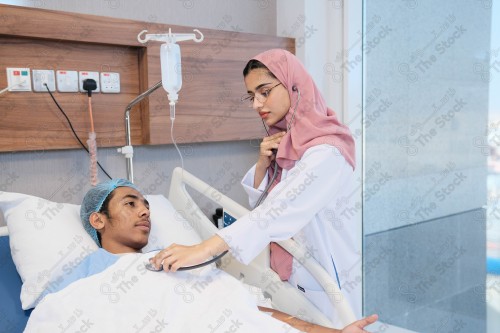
266, 156
176, 256
266, 149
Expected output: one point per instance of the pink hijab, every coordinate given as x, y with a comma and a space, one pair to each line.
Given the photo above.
314, 123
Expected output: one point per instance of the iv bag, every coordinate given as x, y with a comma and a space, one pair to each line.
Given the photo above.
171, 70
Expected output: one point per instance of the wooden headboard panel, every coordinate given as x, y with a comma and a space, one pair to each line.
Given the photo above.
209, 107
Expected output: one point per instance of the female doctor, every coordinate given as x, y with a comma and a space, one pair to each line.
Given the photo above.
305, 165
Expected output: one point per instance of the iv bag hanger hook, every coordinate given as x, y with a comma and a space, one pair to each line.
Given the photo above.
169, 37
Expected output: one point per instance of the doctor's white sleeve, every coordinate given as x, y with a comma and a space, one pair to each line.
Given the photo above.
252, 192
309, 186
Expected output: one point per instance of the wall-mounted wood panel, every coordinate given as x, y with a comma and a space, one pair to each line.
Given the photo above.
32, 121
209, 107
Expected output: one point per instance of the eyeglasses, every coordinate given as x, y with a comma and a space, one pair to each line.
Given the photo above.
261, 96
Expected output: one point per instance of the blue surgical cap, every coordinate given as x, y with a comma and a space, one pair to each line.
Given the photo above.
93, 200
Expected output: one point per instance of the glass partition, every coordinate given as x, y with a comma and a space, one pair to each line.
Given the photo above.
427, 72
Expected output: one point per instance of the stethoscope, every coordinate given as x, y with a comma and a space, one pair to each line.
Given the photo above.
275, 151
149, 266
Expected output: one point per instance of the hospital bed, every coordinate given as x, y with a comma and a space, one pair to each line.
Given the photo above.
283, 296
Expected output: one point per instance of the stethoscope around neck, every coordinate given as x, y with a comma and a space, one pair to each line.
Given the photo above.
275, 151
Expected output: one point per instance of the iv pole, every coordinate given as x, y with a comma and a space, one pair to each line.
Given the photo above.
169, 38
128, 150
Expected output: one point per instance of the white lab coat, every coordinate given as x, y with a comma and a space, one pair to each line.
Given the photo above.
302, 206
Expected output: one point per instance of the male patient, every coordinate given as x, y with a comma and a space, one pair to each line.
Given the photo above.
116, 215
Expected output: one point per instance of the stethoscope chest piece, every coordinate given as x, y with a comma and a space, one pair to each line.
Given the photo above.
150, 267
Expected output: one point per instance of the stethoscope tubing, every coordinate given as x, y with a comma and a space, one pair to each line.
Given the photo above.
264, 194
150, 267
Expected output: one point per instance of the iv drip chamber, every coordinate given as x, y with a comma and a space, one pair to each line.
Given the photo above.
171, 70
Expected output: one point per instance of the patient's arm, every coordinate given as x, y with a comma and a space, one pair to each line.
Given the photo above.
356, 327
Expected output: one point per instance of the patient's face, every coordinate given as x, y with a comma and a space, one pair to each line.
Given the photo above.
127, 228
276, 105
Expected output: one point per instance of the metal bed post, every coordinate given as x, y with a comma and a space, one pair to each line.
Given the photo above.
128, 150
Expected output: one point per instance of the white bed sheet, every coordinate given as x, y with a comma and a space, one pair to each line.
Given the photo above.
128, 298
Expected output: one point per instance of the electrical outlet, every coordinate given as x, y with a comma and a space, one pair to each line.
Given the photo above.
41, 77
19, 79
110, 82
67, 81
83, 75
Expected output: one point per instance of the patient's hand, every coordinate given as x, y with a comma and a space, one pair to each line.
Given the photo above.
176, 256
304, 326
357, 326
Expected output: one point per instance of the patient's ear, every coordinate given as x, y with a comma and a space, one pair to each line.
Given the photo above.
96, 221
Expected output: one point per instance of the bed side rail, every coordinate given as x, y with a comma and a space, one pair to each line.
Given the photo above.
257, 272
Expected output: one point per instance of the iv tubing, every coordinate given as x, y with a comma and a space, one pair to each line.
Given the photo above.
172, 118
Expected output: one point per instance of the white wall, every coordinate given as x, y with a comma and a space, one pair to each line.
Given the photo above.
255, 16
317, 27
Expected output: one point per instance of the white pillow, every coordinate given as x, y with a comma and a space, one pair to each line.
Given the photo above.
47, 239
167, 225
